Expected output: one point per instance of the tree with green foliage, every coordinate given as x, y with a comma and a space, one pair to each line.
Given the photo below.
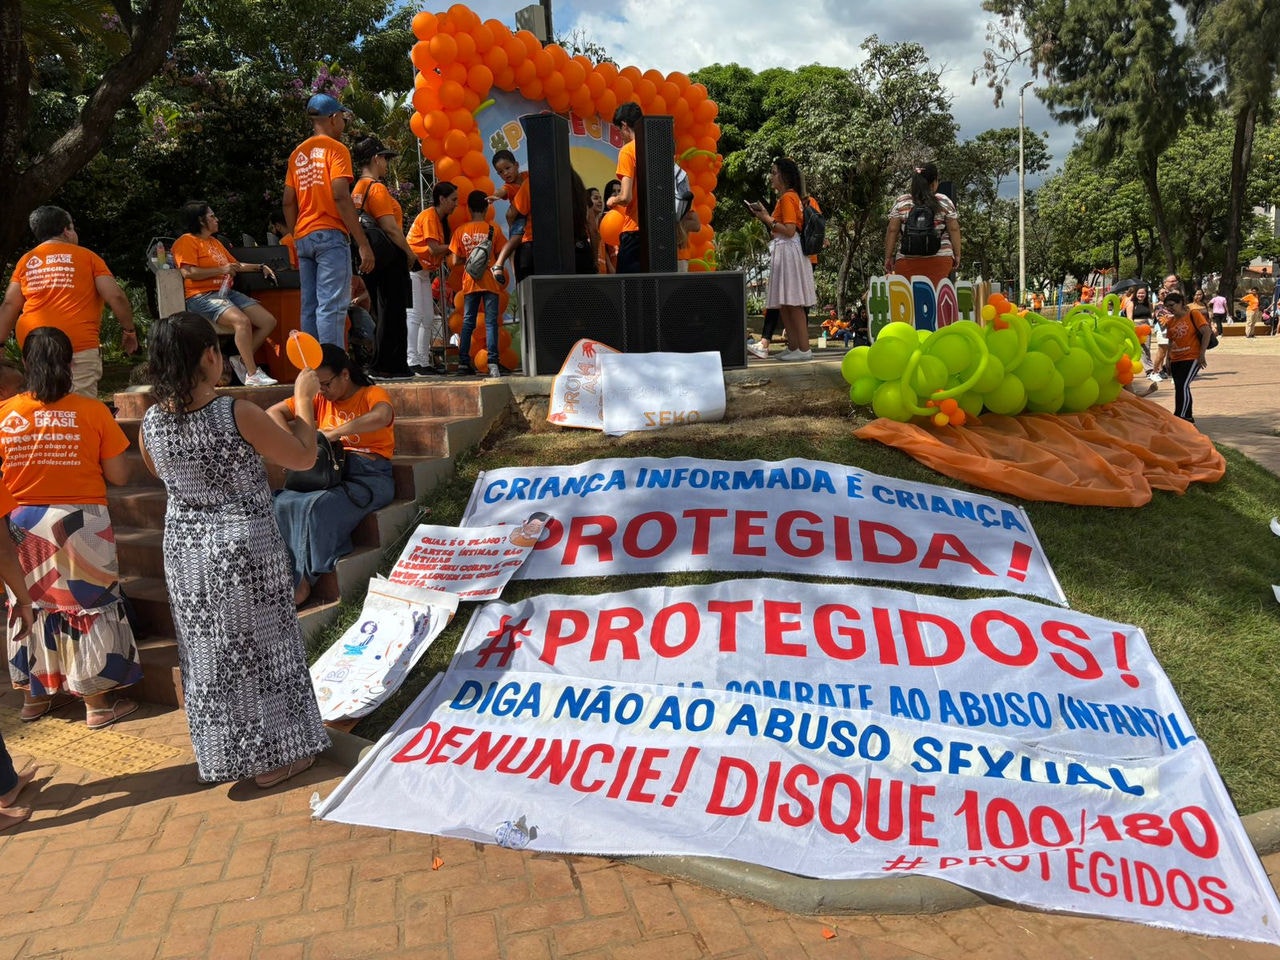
1116, 63
68, 68
1241, 38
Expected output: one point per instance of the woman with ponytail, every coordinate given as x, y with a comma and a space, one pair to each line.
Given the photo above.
250, 705
791, 290
907, 242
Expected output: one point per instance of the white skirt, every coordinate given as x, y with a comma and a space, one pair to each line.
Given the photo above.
790, 275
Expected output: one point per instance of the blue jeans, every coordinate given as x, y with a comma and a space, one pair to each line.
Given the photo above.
213, 304
470, 306
324, 273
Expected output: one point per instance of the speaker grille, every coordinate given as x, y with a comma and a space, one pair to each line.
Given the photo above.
656, 194
705, 311
567, 309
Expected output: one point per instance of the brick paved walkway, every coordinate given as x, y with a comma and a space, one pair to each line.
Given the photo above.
154, 864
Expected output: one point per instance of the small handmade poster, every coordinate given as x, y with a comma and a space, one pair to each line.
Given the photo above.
368, 663
651, 391
472, 563
575, 392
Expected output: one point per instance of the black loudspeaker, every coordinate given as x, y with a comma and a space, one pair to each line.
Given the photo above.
634, 313
656, 193
275, 257
550, 187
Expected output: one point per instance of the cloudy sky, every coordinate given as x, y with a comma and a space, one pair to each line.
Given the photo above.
670, 35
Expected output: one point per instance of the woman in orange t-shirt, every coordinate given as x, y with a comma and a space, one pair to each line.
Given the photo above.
60, 450
317, 525
207, 270
791, 289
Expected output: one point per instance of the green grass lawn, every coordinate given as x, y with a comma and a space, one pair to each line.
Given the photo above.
1194, 571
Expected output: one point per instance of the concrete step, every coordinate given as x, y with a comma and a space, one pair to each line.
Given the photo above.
140, 550
132, 404
138, 474
136, 505
150, 599
161, 677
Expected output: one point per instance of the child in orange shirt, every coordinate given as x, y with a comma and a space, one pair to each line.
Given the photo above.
465, 239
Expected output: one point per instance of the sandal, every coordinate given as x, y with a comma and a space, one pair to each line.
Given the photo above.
33, 710
124, 707
266, 781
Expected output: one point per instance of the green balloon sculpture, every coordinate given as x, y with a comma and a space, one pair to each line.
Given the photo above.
1009, 363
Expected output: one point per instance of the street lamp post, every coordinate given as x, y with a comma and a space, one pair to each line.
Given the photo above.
1022, 198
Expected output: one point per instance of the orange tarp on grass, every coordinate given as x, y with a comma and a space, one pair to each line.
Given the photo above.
1109, 456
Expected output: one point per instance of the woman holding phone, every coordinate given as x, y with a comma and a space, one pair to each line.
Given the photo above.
791, 289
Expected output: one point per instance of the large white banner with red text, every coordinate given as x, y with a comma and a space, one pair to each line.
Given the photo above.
835, 732
651, 515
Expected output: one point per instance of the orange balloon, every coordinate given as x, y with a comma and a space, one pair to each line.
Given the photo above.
450, 94
496, 59
462, 16
623, 89
483, 37
456, 71
516, 53
681, 112
415, 124
645, 92
526, 73
581, 101
559, 56
481, 358
470, 100
459, 300
432, 147
498, 29
447, 168
504, 79
654, 77
543, 64
509, 359
532, 90
484, 183
608, 72
419, 81
611, 227
574, 75
504, 341
532, 44
695, 94
455, 144
595, 83
455, 323
424, 100
706, 111
304, 350
421, 57
444, 49
606, 103
669, 92
465, 186
436, 123
460, 118
466, 47
632, 73
558, 102
474, 164
553, 84
424, 25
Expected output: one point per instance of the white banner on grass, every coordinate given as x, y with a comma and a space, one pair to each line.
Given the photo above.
651, 391
1009, 667
474, 563
651, 515
370, 660
561, 764
576, 399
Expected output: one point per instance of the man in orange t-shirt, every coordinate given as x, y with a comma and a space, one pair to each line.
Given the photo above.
320, 215
465, 239
626, 118
62, 284
1252, 313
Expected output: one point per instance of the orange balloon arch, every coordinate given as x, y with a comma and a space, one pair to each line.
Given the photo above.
461, 59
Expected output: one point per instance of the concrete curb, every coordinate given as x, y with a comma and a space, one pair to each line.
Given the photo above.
806, 896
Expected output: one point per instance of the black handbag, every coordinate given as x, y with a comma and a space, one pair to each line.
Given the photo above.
325, 473
385, 251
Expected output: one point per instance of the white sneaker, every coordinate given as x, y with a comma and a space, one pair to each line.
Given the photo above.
238, 366
1156, 378
796, 355
260, 378
757, 349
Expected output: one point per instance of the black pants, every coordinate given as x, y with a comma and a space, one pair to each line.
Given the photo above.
772, 320
390, 296
629, 252
1184, 372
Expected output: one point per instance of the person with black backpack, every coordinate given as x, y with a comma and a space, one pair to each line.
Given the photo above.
923, 239
791, 288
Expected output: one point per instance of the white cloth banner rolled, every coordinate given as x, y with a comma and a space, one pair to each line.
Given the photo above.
651, 391
570, 765
651, 515
367, 664
576, 400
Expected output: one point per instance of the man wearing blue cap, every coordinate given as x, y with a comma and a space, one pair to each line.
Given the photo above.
321, 217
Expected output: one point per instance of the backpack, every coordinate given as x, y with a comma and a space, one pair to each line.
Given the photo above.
920, 238
478, 259
813, 231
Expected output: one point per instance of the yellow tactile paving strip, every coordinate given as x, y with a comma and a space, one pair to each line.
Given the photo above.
70, 741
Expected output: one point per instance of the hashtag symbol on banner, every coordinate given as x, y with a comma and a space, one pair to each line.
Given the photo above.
902, 863
503, 642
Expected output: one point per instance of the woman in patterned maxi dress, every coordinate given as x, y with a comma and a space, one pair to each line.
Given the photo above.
250, 705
